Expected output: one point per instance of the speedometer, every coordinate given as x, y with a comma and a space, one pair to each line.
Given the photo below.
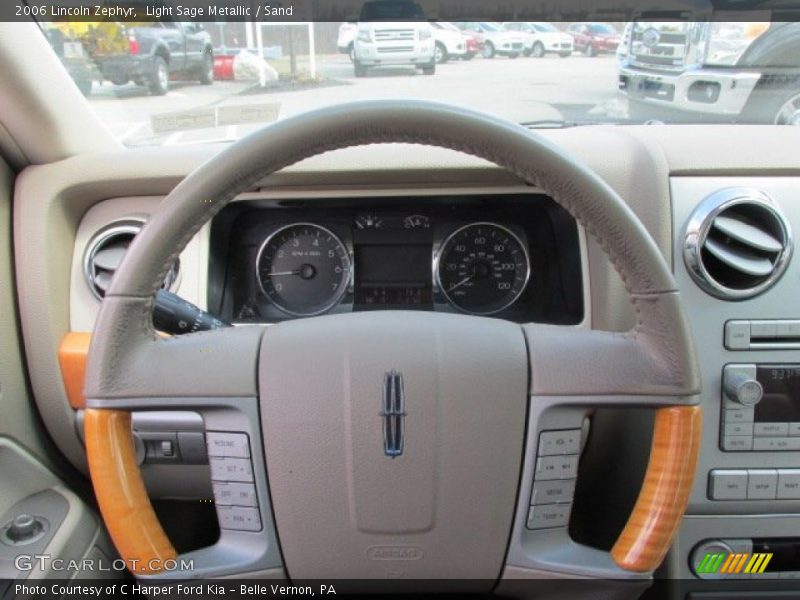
482, 268
304, 269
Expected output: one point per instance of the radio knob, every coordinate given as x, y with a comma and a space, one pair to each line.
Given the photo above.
742, 388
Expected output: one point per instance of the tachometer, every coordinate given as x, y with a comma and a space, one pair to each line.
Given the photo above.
482, 268
304, 269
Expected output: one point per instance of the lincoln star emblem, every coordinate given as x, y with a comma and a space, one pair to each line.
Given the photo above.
393, 414
651, 37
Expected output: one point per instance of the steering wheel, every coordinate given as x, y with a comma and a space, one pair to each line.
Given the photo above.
316, 402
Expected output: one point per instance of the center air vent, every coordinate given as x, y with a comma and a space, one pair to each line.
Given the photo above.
104, 255
737, 244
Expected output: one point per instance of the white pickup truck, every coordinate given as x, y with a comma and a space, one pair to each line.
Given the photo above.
393, 33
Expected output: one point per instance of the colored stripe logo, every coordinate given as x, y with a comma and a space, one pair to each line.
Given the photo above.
722, 563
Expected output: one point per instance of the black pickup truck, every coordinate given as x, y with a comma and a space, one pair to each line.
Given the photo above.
148, 54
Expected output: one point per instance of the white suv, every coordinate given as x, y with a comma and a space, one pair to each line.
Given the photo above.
393, 32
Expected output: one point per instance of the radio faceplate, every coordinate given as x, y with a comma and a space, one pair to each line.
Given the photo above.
760, 408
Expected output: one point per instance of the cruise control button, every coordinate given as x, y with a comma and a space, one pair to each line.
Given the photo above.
239, 518
788, 484
553, 492
559, 442
556, 467
728, 484
222, 443
231, 469
545, 517
239, 494
762, 484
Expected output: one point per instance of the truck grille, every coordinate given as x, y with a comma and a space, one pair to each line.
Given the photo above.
393, 34
394, 49
658, 46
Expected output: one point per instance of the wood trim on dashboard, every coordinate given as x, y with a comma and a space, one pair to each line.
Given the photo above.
124, 503
662, 500
72, 353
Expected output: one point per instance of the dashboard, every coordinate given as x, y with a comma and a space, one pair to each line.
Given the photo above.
513, 257
393, 214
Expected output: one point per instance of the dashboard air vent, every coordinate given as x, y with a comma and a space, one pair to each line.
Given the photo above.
737, 244
104, 254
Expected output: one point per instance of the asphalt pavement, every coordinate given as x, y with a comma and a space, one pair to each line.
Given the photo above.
521, 89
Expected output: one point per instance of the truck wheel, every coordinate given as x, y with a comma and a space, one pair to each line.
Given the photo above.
440, 53
538, 50
527, 52
488, 50
778, 107
359, 69
207, 69
430, 68
159, 77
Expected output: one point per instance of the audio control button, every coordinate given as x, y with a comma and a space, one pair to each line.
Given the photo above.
776, 444
737, 443
738, 429
788, 484
730, 484
738, 415
741, 386
762, 484
771, 429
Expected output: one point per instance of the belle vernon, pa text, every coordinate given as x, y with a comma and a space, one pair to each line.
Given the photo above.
180, 589
261, 11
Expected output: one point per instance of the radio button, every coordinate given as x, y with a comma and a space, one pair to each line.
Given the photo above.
740, 415
763, 329
788, 484
794, 429
762, 484
771, 429
737, 335
737, 443
727, 485
776, 444
738, 429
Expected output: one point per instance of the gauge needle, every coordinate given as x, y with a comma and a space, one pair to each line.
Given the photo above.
462, 282
277, 273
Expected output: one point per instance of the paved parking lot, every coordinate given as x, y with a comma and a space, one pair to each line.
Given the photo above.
521, 89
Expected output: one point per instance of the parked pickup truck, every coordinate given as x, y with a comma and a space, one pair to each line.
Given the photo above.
148, 54
748, 72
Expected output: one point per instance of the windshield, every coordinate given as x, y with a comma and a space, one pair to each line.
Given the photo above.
169, 82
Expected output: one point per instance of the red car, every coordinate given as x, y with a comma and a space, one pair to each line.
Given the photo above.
594, 38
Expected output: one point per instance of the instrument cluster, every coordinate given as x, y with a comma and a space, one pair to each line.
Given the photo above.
271, 263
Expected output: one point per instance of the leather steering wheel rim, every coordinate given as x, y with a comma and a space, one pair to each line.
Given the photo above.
660, 345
